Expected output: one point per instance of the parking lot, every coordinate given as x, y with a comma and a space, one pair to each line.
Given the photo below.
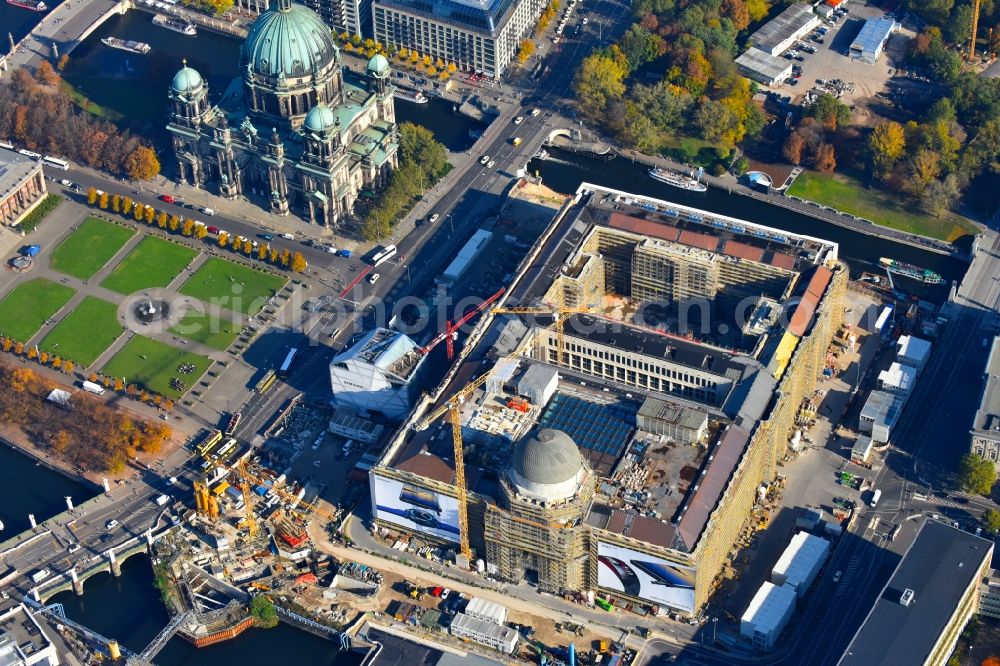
831, 61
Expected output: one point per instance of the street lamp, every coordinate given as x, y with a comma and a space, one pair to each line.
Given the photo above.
715, 623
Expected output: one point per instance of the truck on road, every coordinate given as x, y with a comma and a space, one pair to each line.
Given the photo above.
162, 500
91, 387
39, 575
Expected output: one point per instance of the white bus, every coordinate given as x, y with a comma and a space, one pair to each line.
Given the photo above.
386, 253
287, 365
28, 153
55, 163
91, 387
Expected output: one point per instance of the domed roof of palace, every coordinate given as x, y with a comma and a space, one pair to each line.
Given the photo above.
187, 80
378, 65
288, 40
319, 118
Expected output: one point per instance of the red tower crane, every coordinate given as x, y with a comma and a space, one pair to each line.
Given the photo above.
450, 332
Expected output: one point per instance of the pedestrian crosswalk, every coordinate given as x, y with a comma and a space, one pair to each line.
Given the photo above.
849, 572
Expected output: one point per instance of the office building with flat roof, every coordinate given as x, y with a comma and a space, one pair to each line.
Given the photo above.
481, 37
926, 603
986, 427
778, 34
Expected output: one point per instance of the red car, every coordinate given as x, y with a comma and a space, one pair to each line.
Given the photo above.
436, 592
213, 230
166, 198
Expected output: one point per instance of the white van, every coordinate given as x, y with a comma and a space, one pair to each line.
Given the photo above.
288, 236
208, 211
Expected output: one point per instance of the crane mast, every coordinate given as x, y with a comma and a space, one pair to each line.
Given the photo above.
453, 406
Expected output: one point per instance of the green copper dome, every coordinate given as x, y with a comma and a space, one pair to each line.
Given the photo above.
319, 118
378, 65
290, 40
187, 80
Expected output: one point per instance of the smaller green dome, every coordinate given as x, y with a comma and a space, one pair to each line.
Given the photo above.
187, 80
378, 65
319, 118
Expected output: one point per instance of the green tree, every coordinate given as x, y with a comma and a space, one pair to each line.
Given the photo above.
976, 475
640, 46
263, 612
599, 80
830, 111
958, 26
418, 147
886, 144
991, 521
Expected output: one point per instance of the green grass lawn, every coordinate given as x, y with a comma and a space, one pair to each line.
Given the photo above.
154, 262
84, 333
232, 286
151, 364
25, 309
207, 329
849, 195
89, 247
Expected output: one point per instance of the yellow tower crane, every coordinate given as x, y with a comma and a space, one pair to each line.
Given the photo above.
452, 406
975, 29
558, 313
247, 499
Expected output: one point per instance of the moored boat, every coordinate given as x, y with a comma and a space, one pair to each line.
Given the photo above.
175, 24
414, 96
924, 275
677, 179
33, 5
129, 45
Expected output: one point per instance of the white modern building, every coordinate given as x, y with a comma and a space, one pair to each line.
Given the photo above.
376, 374
484, 632
879, 415
763, 67
778, 34
477, 36
465, 257
801, 562
24, 641
539, 383
486, 610
871, 41
768, 613
913, 351
898, 379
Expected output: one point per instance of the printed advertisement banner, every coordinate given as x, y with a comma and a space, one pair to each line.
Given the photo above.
653, 579
415, 508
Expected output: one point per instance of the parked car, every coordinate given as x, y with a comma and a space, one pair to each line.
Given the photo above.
111, 524
208, 211
373, 278
434, 218
267, 237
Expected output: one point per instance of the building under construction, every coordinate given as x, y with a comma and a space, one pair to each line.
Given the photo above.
608, 445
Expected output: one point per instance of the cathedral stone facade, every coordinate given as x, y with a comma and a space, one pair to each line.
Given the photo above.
290, 129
